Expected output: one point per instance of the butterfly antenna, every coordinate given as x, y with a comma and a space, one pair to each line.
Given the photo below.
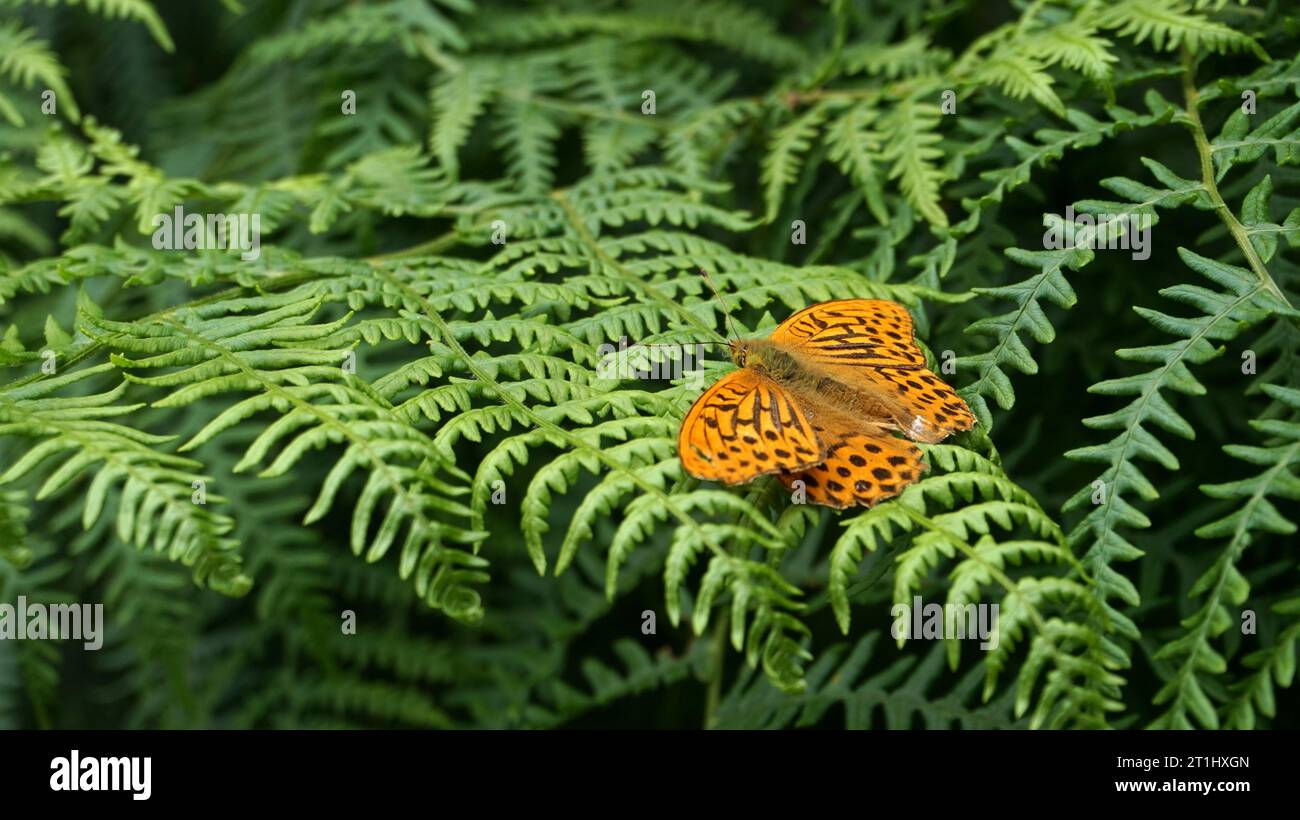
731, 325
678, 344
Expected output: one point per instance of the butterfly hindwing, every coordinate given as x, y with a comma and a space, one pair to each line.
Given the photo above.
745, 426
860, 469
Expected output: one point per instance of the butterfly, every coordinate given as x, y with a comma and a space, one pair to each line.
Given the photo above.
820, 402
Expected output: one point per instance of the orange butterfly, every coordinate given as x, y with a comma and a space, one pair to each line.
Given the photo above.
819, 401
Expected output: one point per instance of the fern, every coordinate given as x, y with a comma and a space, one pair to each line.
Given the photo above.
1223, 583
26, 61
901, 696
424, 408
1168, 24
155, 506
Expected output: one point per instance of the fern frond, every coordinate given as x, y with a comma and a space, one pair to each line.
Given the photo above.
1019, 74
856, 147
1243, 301
789, 144
458, 101
990, 498
1169, 24
1223, 583
1255, 695
722, 23
13, 529
416, 27
895, 697
156, 506
1009, 350
137, 11
912, 152
1238, 143
909, 57
1076, 45
26, 61
264, 344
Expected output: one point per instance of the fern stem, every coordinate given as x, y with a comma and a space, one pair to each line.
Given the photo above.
435, 55
585, 236
1028, 16
832, 61
592, 112
717, 663
39, 710
900, 90
1192, 96
434, 245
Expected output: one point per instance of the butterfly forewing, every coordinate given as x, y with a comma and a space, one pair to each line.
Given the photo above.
846, 336
744, 426
868, 344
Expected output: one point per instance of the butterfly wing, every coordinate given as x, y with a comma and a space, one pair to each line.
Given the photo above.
860, 469
924, 407
847, 336
745, 426
869, 345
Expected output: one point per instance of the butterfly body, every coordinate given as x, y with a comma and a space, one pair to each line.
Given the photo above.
821, 393
818, 403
